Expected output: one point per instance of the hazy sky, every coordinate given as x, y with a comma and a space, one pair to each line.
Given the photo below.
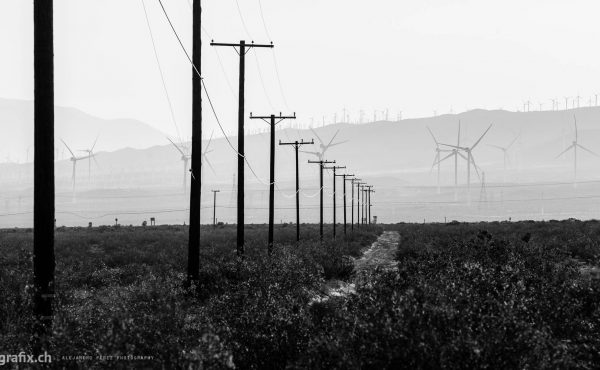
413, 55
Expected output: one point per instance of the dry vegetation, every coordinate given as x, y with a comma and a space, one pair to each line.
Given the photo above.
510, 295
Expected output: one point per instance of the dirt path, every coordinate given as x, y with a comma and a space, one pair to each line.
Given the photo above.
380, 255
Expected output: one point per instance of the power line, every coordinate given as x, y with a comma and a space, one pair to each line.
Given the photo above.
242, 19
178, 38
262, 16
162, 77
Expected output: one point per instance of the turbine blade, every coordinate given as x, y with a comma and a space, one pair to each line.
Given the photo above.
318, 137
564, 151
313, 153
95, 141
341, 142
497, 147
209, 141
481, 138
95, 160
451, 146
176, 147
210, 165
333, 138
513, 142
73, 154
446, 157
436, 160
475, 167
462, 155
432, 136
587, 150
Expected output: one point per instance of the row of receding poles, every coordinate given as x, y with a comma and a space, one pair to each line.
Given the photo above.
44, 197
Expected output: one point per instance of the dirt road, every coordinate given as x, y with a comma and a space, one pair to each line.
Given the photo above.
380, 255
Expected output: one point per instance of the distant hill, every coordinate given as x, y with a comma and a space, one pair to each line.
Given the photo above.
77, 128
403, 151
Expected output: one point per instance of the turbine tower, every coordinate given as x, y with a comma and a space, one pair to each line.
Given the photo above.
574, 146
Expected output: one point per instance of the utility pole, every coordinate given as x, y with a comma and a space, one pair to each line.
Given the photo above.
215, 207
321, 163
368, 192
297, 144
364, 205
345, 178
196, 168
352, 183
334, 168
271, 121
358, 185
242, 48
43, 202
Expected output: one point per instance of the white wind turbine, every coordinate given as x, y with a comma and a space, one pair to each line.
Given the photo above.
455, 153
74, 159
505, 150
90, 155
324, 147
574, 146
437, 161
185, 157
470, 160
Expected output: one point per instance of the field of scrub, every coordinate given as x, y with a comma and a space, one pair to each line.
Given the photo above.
508, 295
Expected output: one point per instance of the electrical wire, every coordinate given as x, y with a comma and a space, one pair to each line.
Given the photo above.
179, 39
262, 82
208, 96
227, 138
262, 16
162, 77
242, 18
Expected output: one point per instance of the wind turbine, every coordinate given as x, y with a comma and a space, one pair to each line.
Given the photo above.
504, 150
574, 146
73, 159
89, 157
437, 160
470, 160
185, 157
455, 153
323, 148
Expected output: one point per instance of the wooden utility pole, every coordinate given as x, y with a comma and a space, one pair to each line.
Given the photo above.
43, 202
215, 207
296, 144
334, 168
271, 121
242, 48
196, 157
369, 190
352, 183
345, 178
321, 163
358, 205
364, 211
